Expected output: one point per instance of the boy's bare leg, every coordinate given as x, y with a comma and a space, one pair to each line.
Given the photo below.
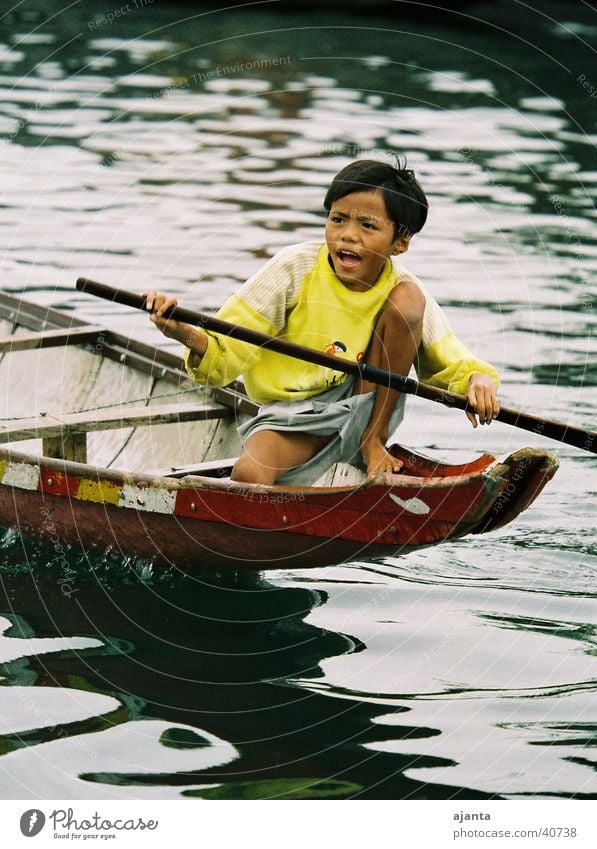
269, 453
393, 347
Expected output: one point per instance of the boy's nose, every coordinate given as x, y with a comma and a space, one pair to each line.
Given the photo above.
349, 231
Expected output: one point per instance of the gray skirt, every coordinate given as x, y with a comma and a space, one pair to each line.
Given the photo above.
335, 412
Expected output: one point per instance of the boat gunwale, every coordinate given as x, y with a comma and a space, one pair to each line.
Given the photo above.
195, 482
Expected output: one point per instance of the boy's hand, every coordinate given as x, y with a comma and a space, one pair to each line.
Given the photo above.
482, 397
157, 304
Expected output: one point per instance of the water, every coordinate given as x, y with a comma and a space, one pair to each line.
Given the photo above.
133, 154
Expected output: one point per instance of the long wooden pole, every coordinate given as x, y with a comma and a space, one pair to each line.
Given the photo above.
570, 435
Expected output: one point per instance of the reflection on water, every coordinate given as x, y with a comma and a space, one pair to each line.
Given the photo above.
366, 681
196, 673
182, 153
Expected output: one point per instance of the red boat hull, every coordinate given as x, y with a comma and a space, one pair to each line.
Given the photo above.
196, 523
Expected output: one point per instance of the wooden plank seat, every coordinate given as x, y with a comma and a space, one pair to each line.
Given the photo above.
64, 435
211, 469
51, 338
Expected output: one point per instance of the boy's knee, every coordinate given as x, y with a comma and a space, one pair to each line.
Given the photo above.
243, 470
246, 470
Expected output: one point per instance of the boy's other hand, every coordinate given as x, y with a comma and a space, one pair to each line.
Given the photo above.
482, 397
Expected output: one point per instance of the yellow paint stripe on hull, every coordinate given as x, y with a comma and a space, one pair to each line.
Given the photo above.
101, 492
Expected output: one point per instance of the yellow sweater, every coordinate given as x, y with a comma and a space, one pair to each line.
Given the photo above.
298, 297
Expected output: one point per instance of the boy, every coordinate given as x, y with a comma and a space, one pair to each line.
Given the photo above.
345, 296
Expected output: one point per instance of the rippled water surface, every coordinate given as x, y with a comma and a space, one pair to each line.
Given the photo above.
180, 147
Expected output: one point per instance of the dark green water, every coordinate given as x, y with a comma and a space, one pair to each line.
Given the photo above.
178, 147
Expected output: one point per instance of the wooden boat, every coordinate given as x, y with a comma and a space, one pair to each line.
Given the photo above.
108, 446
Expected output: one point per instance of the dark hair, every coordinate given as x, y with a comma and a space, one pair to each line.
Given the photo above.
404, 198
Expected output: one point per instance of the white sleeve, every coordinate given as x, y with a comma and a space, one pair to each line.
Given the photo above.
275, 288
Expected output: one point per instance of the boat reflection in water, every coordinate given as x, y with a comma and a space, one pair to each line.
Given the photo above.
177, 685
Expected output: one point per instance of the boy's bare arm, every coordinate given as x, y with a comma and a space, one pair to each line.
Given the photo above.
157, 304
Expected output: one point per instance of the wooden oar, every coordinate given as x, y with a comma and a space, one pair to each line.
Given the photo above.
584, 439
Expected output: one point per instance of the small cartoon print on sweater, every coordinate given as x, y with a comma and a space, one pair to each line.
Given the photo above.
335, 348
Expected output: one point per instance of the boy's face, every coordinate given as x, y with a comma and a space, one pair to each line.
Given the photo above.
360, 237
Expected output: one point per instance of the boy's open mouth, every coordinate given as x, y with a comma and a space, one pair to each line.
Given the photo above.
348, 259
